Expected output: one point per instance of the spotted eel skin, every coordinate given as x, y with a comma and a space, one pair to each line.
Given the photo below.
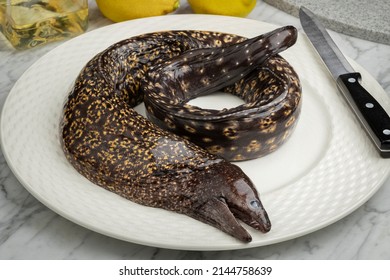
271, 90
113, 146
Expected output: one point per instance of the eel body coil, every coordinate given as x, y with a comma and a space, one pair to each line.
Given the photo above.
113, 146
265, 81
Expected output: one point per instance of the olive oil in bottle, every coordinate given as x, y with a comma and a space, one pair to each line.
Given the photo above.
29, 23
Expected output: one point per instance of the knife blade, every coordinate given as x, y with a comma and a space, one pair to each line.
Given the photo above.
367, 109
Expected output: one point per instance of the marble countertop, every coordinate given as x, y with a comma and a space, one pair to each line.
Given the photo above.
363, 19
29, 230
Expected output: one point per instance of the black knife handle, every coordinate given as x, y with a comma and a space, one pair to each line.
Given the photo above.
370, 113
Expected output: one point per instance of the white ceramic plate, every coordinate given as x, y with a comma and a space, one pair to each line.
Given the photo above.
325, 171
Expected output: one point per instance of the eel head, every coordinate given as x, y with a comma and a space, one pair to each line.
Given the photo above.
227, 194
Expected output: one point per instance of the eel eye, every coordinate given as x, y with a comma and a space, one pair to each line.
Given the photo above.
255, 203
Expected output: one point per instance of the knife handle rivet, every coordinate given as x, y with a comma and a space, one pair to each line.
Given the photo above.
369, 105
386, 131
351, 80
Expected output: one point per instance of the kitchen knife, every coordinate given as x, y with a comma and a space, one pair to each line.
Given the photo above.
370, 113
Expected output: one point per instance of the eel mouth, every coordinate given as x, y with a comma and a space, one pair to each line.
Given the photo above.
216, 212
256, 219
226, 198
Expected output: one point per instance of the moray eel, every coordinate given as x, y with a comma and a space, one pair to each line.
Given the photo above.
113, 146
271, 90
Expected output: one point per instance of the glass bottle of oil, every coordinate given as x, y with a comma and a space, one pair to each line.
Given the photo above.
29, 23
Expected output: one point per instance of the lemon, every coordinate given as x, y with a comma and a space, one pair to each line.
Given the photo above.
238, 8
121, 10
